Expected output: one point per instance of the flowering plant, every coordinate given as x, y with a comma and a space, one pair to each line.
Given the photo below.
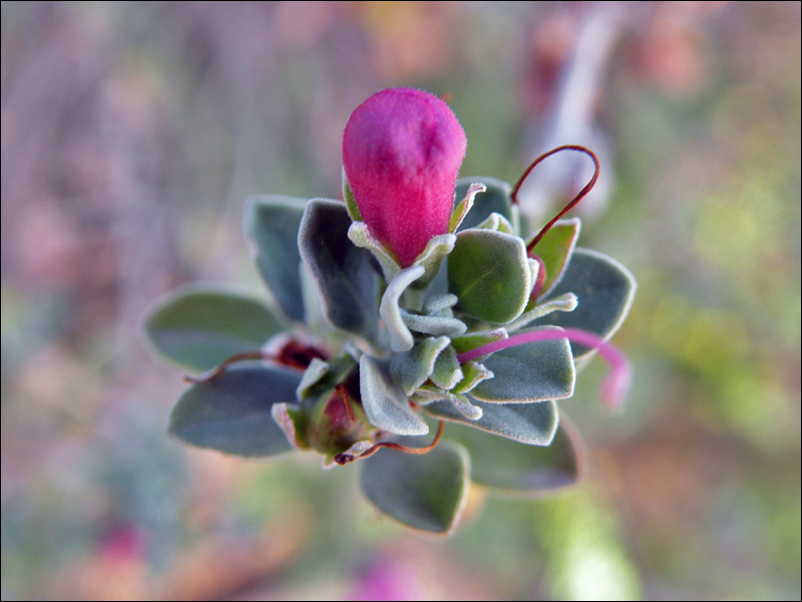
402, 307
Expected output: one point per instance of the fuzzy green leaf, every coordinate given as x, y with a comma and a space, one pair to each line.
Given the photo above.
472, 340
473, 374
271, 228
604, 289
530, 423
506, 465
434, 325
440, 305
529, 372
566, 302
410, 369
425, 492
400, 337
489, 273
555, 249
232, 412
447, 372
314, 372
348, 286
320, 377
496, 222
495, 199
464, 206
432, 256
464, 406
359, 234
200, 327
384, 402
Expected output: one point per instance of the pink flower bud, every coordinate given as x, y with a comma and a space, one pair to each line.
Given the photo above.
402, 149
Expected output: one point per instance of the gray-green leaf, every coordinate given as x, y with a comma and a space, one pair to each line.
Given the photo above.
489, 272
425, 492
496, 198
271, 228
530, 423
506, 465
529, 372
604, 289
232, 412
201, 326
555, 249
384, 402
348, 286
410, 369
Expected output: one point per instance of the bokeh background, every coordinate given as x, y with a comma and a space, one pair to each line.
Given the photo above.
132, 134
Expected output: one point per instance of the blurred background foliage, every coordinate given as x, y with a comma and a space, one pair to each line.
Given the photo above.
132, 134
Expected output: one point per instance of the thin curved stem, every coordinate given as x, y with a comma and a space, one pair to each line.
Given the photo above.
346, 458
572, 203
239, 357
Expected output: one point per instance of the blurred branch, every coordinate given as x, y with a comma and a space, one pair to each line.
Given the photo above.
571, 117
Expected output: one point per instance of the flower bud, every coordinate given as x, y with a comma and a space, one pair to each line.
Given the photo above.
402, 149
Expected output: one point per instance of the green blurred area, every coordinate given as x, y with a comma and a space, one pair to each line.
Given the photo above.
132, 134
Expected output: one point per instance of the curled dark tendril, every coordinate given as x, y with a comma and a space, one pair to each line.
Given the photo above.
239, 357
343, 458
580, 195
292, 354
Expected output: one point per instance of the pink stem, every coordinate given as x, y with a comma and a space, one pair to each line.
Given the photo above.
616, 384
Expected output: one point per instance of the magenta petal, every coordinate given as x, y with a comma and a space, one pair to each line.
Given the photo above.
402, 149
